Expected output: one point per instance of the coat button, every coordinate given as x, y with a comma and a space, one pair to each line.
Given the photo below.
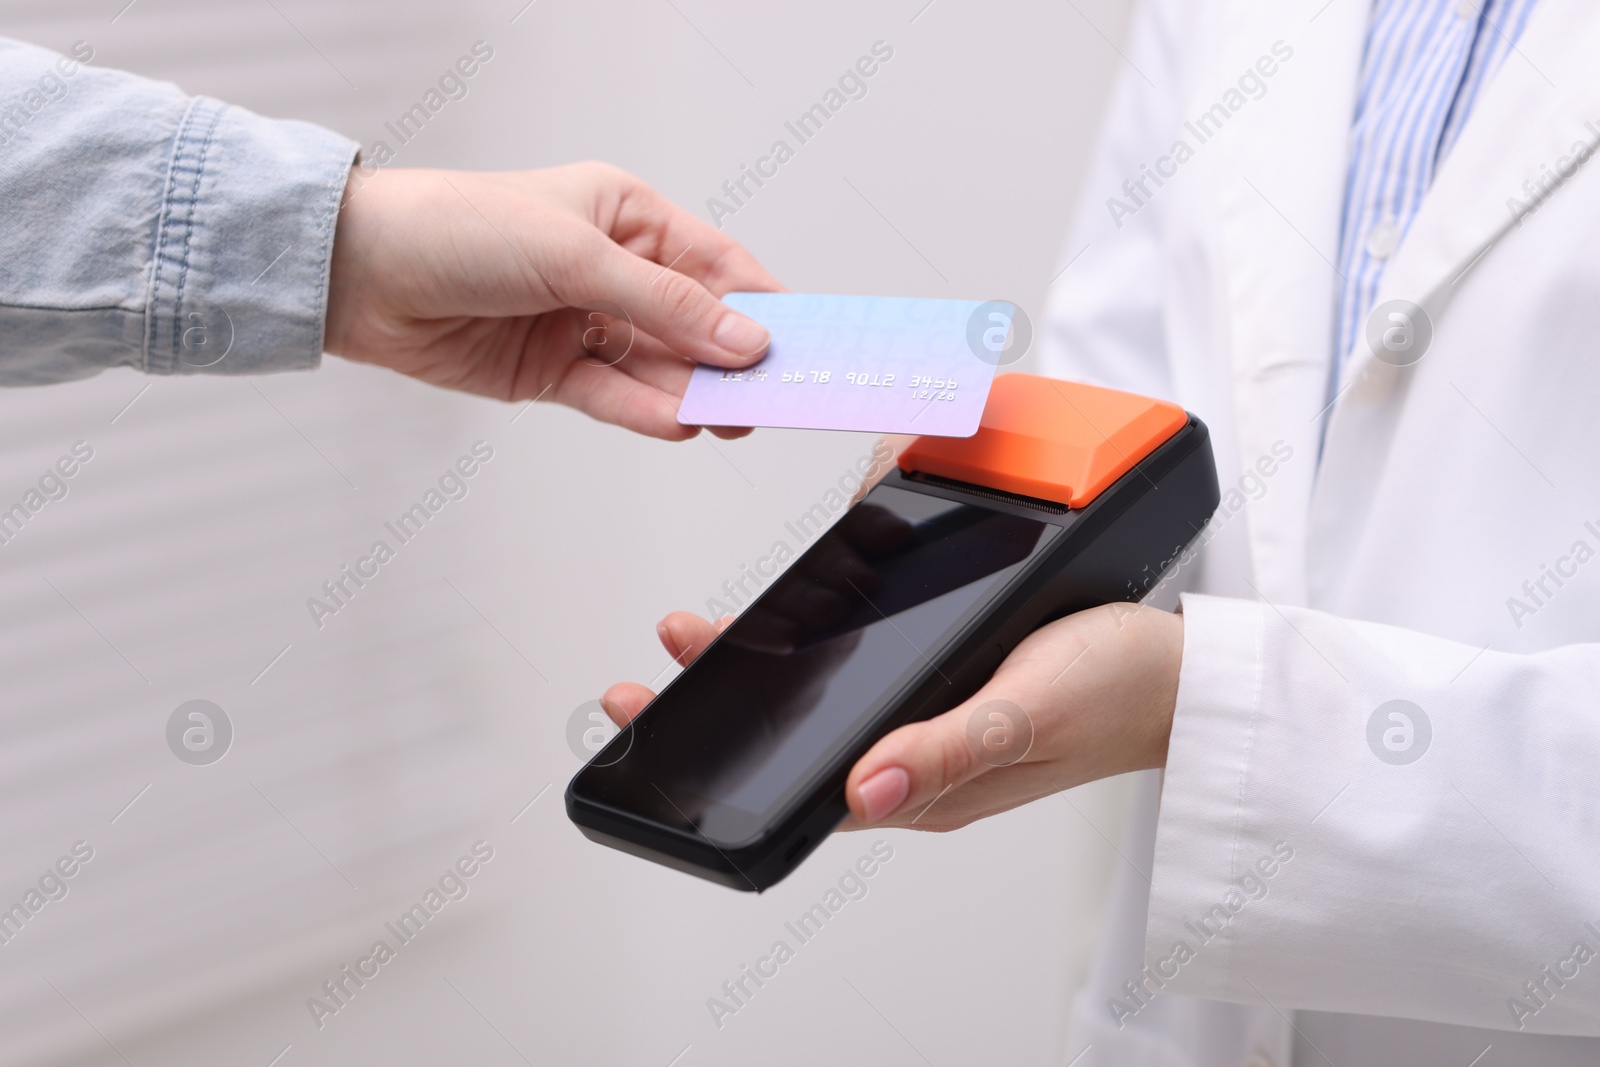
1383, 239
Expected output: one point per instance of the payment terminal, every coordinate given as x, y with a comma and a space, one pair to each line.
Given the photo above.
1069, 496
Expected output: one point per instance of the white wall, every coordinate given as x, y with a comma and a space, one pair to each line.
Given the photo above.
424, 717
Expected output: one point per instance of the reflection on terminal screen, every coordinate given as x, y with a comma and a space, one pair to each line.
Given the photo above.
789, 685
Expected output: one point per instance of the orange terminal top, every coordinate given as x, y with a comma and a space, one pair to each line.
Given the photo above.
1052, 440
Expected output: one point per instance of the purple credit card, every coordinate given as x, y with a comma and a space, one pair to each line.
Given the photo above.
878, 363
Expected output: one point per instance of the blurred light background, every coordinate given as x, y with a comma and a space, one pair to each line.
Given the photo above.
371, 754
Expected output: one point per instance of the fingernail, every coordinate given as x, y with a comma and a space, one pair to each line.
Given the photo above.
613, 712
668, 643
884, 792
740, 336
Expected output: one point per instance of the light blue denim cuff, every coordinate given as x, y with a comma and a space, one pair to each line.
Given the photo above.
149, 229
239, 282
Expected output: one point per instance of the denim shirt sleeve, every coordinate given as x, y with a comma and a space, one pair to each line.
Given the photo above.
140, 227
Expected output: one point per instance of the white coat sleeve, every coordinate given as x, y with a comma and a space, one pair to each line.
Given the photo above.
1103, 320
1365, 819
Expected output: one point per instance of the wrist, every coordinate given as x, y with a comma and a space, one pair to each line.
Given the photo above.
1155, 680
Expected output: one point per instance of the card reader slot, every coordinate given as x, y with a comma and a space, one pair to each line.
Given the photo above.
984, 491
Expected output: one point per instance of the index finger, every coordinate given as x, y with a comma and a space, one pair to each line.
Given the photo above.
651, 226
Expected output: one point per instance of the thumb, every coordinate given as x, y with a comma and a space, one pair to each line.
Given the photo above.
913, 766
676, 309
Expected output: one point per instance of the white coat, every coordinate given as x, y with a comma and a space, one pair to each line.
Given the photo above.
1349, 886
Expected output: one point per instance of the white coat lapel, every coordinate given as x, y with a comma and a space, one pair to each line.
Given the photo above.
1536, 111
1280, 190
1544, 100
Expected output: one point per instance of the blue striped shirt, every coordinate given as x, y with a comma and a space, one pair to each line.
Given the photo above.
1425, 65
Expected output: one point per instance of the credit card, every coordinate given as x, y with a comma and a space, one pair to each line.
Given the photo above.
883, 364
